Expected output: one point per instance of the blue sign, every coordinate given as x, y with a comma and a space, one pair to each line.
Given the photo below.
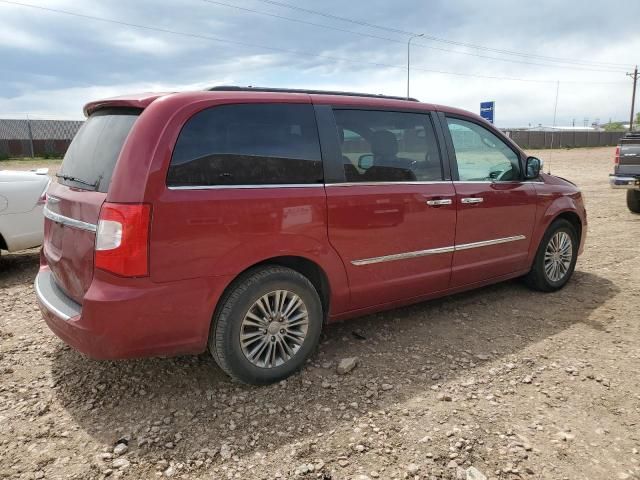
488, 110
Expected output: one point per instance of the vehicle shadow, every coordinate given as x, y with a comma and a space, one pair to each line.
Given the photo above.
18, 268
189, 402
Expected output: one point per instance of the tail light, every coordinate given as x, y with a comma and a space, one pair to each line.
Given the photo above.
122, 239
617, 158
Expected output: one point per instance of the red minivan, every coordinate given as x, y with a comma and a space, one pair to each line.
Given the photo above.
242, 220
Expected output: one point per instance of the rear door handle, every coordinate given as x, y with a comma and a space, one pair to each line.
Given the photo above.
439, 202
472, 200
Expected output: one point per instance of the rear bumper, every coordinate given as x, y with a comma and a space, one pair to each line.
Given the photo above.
625, 182
129, 318
61, 313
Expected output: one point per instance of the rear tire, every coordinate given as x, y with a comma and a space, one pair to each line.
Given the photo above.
555, 259
267, 325
633, 200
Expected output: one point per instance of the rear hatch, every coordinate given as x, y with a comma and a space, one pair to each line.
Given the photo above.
74, 202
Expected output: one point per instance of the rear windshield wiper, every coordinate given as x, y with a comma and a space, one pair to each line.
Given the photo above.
76, 179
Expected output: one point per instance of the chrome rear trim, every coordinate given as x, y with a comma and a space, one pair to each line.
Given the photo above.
624, 182
69, 222
436, 251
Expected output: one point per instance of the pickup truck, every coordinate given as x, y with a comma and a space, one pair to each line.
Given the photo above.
626, 173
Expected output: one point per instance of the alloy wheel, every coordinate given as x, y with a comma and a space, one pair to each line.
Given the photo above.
558, 256
274, 328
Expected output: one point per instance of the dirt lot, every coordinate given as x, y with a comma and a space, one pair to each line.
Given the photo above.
514, 383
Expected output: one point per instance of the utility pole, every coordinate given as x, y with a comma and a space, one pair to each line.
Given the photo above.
409, 58
634, 76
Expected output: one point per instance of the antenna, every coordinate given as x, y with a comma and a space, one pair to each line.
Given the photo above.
555, 112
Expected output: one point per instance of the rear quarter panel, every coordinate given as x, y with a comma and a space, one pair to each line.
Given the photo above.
218, 232
222, 232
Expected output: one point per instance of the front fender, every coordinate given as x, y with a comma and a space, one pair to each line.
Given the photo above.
552, 203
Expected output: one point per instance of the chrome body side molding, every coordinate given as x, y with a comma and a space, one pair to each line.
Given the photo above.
436, 251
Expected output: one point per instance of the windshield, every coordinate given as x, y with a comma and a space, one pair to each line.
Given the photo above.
92, 155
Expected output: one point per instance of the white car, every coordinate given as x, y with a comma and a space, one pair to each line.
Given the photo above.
22, 197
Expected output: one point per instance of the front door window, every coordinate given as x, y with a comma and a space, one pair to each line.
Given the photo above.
480, 154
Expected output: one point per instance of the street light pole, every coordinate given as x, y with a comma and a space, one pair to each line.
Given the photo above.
409, 58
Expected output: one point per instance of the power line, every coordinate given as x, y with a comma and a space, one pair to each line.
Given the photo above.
395, 40
281, 50
438, 39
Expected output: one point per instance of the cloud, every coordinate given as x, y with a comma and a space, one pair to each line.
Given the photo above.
20, 39
67, 103
73, 60
145, 43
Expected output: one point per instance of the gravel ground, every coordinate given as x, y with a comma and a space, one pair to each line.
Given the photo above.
502, 383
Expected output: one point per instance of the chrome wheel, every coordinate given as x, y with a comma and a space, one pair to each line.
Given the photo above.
274, 329
558, 256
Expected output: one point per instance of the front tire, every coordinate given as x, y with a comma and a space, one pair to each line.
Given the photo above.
267, 325
555, 259
633, 200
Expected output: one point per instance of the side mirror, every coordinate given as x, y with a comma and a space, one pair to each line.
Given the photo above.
533, 168
365, 162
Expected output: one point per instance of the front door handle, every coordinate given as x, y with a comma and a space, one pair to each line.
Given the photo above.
472, 200
439, 202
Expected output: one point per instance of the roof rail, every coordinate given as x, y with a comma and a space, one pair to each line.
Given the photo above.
235, 88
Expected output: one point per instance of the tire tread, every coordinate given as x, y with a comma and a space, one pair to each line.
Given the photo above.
633, 200
232, 295
535, 279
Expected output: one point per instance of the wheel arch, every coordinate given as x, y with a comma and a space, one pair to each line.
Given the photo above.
310, 269
567, 213
573, 218
303, 265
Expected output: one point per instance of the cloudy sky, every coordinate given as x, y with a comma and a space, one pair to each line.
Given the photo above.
52, 62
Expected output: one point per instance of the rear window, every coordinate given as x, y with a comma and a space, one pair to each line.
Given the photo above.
92, 155
248, 144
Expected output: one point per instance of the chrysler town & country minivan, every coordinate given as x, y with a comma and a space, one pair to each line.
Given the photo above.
243, 220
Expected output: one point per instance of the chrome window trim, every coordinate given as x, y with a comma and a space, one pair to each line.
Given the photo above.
227, 187
497, 182
337, 184
70, 222
434, 182
377, 184
435, 251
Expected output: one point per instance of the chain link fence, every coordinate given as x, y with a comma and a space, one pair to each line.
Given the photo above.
36, 138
